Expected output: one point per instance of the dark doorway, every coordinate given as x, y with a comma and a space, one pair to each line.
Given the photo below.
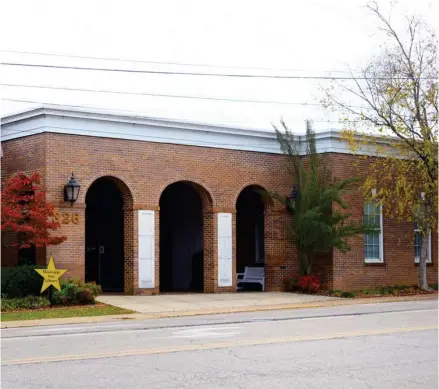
104, 235
181, 239
249, 229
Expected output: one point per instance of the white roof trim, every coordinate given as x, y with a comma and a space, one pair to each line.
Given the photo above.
98, 123
120, 117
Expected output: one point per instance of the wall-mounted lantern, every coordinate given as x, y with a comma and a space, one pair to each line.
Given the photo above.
291, 198
71, 190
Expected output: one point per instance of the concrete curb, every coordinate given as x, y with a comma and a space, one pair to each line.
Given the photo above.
200, 312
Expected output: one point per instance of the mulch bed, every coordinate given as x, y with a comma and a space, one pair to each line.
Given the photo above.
398, 293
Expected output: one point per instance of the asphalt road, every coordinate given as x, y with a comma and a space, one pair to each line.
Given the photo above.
391, 345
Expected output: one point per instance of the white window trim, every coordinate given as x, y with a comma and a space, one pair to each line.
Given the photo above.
380, 237
429, 249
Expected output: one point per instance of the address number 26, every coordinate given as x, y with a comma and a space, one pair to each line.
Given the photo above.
65, 218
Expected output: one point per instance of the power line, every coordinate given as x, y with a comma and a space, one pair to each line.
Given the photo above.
232, 75
164, 62
137, 112
159, 95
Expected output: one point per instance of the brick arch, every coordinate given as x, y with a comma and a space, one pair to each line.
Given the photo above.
209, 253
207, 199
121, 183
128, 234
266, 199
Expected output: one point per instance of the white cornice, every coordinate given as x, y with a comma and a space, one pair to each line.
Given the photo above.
120, 117
98, 123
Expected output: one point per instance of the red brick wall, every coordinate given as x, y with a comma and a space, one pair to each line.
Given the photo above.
350, 270
143, 170
26, 155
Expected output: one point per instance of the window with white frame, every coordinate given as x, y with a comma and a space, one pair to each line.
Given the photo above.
373, 241
418, 245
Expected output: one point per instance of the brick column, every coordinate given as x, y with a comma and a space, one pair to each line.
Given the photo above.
71, 253
210, 252
130, 245
281, 259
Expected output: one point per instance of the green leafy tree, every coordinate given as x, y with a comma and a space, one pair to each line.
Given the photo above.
396, 133
320, 214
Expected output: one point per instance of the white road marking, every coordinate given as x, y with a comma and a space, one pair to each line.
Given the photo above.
85, 327
207, 332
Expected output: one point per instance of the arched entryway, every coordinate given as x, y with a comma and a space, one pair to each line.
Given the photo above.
182, 237
104, 233
250, 244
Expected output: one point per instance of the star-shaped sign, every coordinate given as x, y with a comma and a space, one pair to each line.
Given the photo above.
51, 275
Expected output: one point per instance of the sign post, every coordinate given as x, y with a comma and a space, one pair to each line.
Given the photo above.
51, 277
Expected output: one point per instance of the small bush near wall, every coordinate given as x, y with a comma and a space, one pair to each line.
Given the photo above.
291, 284
76, 292
304, 284
20, 281
309, 284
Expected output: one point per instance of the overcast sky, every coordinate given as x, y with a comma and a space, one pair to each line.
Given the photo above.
307, 38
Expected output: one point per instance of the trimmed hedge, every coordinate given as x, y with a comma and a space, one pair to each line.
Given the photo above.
21, 281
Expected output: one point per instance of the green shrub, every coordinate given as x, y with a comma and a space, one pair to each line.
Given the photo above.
21, 281
20, 303
291, 284
340, 293
335, 292
384, 290
348, 294
76, 292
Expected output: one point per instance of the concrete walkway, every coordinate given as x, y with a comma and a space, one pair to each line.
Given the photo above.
230, 302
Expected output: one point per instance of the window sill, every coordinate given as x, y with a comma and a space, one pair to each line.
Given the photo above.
374, 263
428, 264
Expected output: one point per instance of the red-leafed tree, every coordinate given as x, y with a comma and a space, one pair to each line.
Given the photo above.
26, 216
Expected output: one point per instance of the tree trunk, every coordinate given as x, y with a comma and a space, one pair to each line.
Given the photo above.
423, 265
305, 264
311, 256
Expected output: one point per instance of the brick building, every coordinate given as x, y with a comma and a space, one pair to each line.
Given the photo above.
177, 206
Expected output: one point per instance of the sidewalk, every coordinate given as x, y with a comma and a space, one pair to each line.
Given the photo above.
170, 303
166, 306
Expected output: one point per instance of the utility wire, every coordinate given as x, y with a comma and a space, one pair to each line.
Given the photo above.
233, 75
169, 95
165, 63
139, 113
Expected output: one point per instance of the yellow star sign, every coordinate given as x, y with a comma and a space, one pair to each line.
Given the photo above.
51, 275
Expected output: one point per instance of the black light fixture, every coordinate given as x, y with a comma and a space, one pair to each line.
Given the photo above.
71, 190
291, 198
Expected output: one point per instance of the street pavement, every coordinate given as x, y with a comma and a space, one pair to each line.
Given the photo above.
386, 345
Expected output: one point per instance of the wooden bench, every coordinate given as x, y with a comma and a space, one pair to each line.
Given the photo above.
251, 275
